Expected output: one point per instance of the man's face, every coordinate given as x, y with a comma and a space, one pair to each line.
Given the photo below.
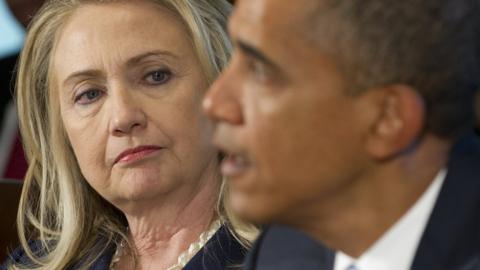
292, 134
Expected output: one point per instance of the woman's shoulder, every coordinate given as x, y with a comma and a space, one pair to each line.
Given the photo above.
222, 251
20, 257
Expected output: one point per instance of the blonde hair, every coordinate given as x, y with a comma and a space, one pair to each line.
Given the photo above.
70, 223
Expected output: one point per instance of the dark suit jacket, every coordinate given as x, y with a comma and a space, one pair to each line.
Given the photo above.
451, 240
221, 252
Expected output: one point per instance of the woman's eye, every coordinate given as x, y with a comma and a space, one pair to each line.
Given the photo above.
88, 96
158, 76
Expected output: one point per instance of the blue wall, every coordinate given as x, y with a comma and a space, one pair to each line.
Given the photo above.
11, 32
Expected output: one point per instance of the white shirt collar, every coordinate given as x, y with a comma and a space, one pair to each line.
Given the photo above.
396, 248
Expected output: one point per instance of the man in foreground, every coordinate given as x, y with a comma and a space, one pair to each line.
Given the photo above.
349, 123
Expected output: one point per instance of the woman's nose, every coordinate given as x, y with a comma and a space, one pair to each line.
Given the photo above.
127, 114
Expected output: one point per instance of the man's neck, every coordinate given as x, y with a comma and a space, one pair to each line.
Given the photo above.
354, 220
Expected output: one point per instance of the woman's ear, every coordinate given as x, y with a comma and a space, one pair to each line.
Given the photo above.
399, 121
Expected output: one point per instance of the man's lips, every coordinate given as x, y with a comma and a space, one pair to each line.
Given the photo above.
136, 153
234, 165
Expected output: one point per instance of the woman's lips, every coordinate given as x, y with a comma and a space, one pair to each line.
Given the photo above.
136, 153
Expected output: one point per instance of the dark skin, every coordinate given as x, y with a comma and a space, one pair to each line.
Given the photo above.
341, 168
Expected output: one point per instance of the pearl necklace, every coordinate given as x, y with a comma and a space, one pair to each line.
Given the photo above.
184, 257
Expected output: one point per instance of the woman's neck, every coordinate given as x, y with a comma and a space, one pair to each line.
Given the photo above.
160, 234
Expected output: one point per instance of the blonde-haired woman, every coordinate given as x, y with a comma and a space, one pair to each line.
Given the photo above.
122, 174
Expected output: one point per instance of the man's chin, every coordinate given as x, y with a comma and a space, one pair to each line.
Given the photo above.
253, 209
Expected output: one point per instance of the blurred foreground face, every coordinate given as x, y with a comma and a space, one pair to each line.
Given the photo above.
130, 88
292, 133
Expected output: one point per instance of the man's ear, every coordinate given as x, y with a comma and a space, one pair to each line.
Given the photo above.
400, 117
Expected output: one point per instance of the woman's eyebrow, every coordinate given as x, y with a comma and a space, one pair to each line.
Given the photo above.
159, 53
88, 73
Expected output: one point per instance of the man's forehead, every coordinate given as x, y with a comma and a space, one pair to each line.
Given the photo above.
274, 15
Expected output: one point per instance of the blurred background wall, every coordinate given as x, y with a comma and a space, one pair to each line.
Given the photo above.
14, 16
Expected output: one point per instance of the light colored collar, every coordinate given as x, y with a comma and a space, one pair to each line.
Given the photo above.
396, 248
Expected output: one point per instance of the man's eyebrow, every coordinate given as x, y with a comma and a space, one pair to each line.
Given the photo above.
254, 53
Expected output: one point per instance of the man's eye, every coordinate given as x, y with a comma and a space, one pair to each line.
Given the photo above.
259, 70
158, 76
88, 96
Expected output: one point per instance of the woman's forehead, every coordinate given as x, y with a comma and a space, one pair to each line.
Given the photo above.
129, 30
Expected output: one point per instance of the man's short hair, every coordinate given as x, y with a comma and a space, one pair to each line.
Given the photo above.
430, 45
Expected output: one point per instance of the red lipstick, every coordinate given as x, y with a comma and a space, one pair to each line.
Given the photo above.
137, 153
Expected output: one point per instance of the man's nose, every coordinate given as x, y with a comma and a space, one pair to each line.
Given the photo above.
222, 103
127, 113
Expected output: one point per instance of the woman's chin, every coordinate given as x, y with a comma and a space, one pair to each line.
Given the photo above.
142, 187
135, 200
